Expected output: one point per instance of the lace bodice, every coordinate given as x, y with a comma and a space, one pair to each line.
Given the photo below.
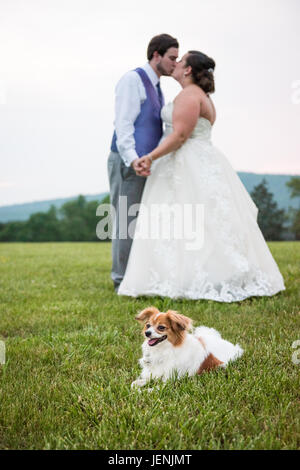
201, 131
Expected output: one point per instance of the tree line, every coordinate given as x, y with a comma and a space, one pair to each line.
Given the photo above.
76, 220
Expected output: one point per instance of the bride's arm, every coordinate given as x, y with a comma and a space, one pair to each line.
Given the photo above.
186, 112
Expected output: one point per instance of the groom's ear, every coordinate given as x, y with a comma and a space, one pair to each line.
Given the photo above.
156, 56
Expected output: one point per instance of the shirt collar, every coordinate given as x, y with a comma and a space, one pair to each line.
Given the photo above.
151, 74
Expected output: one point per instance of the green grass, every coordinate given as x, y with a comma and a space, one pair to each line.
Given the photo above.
72, 349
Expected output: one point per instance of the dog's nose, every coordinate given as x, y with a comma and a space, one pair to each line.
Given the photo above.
148, 333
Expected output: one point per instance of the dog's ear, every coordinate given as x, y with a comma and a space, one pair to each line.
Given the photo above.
179, 321
146, 313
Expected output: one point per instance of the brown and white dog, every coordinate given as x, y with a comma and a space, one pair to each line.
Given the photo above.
169, 348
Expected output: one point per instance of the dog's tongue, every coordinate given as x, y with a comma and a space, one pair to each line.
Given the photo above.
152, 341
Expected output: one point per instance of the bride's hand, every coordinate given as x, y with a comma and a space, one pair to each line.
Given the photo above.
139, 169
145, 162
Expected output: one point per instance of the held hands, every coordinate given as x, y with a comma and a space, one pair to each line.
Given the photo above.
142, 165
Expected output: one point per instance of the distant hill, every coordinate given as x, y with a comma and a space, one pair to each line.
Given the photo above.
276, 184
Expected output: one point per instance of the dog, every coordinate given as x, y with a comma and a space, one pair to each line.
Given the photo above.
170, 349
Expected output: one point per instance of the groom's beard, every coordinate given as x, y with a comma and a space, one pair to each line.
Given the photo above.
162, 70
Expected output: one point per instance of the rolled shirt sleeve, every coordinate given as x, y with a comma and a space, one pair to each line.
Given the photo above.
130, 94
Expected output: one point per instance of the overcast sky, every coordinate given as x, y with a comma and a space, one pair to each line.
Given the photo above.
61, 59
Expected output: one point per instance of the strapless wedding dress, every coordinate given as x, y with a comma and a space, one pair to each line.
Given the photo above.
229, 259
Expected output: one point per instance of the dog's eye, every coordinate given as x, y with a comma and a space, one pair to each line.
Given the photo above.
161, 328
148, 325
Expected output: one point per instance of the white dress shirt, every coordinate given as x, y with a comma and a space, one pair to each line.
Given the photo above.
130, 94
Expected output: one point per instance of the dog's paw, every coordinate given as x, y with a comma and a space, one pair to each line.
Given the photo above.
138, 383
145, 362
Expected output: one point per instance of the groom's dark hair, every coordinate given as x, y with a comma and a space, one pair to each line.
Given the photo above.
161, 44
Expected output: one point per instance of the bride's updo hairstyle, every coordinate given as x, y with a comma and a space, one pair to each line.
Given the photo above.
202, 70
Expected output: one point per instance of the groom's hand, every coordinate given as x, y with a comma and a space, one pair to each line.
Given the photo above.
145, 162
139, 168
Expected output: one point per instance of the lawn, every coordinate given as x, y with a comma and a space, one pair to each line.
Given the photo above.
72, 349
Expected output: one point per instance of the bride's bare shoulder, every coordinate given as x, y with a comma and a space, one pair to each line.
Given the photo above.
191, 91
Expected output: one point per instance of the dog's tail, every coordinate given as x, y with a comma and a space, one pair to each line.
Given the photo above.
204, 330
216, 345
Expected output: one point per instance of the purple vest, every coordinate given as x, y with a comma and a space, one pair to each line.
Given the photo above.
148, 124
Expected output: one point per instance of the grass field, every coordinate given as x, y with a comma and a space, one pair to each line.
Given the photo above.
72, 347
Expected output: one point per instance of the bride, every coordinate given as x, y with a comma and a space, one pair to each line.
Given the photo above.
225, 258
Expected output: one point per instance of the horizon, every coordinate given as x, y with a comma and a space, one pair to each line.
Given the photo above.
107, 191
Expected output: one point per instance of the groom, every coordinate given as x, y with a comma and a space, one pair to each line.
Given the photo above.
138, 129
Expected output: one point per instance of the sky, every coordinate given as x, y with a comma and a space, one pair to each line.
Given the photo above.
60, 61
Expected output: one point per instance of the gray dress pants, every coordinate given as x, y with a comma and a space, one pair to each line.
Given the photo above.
123, 182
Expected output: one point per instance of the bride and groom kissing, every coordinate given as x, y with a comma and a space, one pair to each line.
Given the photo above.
163, 155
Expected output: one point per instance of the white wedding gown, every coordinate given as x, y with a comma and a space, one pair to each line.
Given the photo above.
233, 262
